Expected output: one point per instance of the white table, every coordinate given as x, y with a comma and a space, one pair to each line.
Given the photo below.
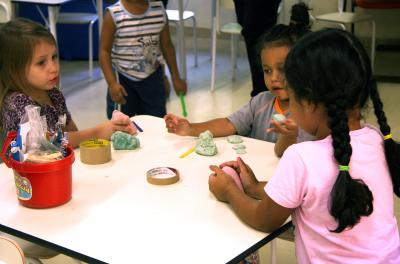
53, 7
116, 216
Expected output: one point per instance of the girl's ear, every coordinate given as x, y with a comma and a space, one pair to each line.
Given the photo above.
309, 107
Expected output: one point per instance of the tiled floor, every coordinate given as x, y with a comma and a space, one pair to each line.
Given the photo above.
86, 101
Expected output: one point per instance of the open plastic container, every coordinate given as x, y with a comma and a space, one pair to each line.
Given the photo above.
41, 185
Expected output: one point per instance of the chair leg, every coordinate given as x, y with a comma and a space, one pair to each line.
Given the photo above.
233, 56
213, 54
273, 251
29, 260
195, 41
91, 48
373, 44
177, 37
234, 51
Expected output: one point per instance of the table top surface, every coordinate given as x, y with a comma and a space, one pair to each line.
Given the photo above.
115, 214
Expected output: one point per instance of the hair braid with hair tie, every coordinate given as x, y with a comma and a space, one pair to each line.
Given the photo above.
392, 148
332, 68
378, 108
347, 195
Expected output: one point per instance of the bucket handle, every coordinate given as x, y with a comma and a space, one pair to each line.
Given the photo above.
10, 136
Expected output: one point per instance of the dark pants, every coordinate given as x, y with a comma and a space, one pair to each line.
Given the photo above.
256, 17
146, 97
165, 2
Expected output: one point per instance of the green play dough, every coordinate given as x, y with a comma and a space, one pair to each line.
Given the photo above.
205, 145
240, 151
239, 146
234, 139
122, 140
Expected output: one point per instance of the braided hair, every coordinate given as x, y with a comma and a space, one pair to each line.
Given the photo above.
331, 68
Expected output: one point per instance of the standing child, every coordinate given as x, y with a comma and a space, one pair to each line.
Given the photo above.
135, 40
29, 73
338, 188
254, 119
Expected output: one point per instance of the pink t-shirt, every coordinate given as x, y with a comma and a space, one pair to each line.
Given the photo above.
303, 180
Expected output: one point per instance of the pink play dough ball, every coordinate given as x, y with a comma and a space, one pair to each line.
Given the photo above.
230, 171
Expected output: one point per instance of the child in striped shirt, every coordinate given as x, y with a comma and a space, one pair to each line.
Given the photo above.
135, 42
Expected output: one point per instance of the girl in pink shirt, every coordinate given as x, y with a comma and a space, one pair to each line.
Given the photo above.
339, 188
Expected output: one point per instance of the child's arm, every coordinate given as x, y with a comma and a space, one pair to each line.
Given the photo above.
71, 126
264, 215
168, 51
117, 91
219, 127
101, 131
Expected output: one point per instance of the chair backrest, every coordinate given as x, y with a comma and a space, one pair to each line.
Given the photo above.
225, 13
72, 8
11, 252
5, 12
341, 6
227, 4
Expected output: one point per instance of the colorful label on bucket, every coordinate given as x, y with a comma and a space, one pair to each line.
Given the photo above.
24, 187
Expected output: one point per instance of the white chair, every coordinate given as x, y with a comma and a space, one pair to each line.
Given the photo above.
82, 18
173, 16
10, 251
342, 18
233, 28
5, 13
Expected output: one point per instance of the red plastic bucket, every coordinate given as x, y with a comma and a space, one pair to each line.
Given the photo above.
41, 185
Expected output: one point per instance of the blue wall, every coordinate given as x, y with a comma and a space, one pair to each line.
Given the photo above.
72, 39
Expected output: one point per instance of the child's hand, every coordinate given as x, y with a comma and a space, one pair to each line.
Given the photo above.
246, 175
179, 86
118, 93
106, 129
123, 123
252, 187
288, 128
219, 183
177, 125
119, 118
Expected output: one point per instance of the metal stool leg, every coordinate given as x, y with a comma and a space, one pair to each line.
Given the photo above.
213, 54
91, 48
195, 41
178, 32
273, 251
234, 51
373, 25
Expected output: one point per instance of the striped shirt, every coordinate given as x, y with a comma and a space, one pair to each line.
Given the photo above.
136, 49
